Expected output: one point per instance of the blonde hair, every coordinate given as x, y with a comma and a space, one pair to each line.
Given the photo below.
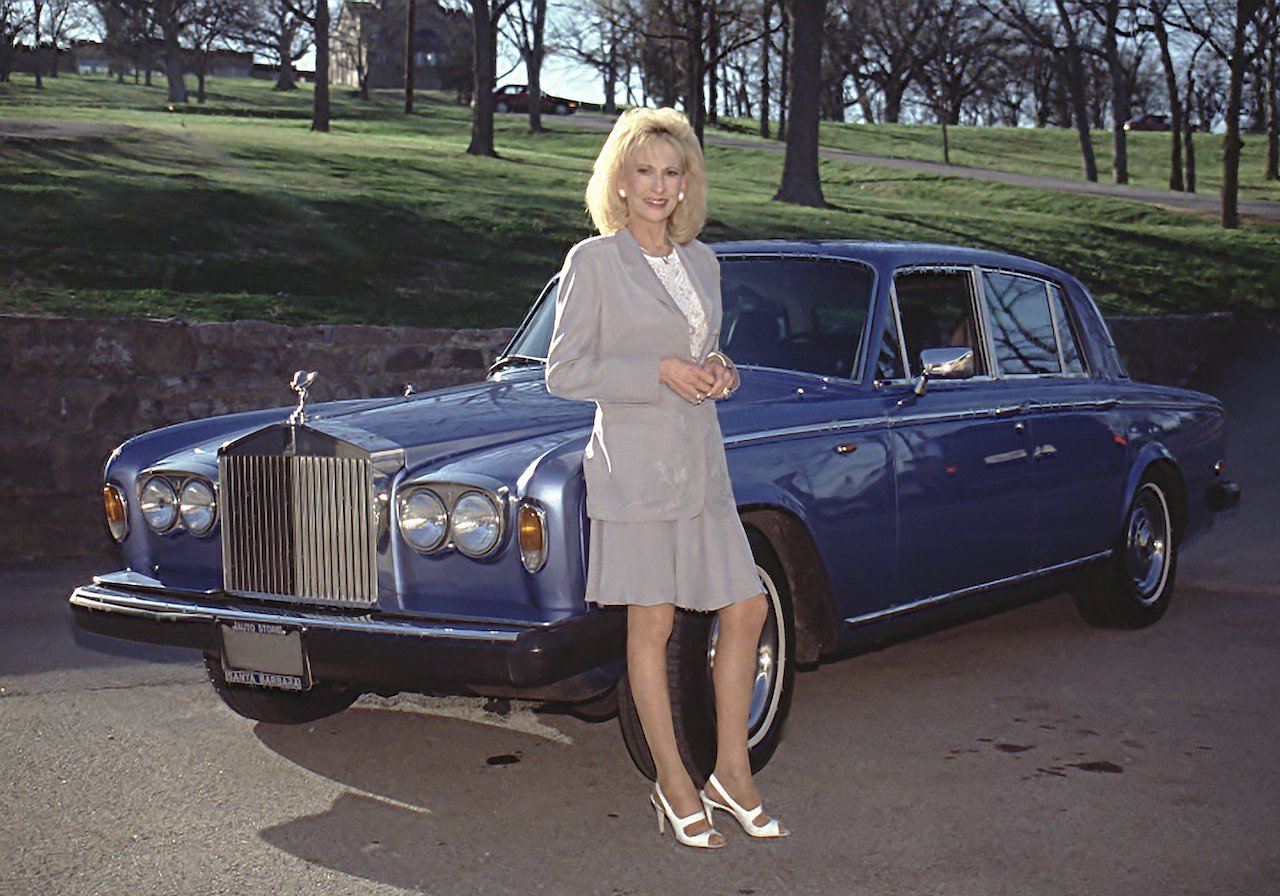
635, 129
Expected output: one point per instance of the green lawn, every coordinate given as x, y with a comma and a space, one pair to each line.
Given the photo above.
110, 204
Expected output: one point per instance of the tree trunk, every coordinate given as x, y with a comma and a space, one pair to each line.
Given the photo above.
173, 59
800, 183
1075, 72
320, 107
1119, 95
713, 53
284, 47
35, 53
1238, 63
784, 93
200, 74
533, 66
484, 44
410, 60
696, 68
766, 41
611, 74
1272, 96
1175, 101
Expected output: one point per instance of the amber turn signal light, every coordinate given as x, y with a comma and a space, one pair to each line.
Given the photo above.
113, 504
531, 532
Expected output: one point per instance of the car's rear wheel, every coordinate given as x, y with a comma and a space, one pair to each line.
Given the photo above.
690, 660
562, 109
278, 707
1134, 587
502, 107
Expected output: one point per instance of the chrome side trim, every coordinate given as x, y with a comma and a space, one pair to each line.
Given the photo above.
903, 609
105, 600
834, 426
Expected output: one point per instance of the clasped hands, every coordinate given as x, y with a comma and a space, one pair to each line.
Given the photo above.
695, 382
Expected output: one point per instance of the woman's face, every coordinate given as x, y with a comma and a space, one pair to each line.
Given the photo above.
653, 178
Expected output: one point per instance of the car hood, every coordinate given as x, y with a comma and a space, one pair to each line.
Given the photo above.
498, 426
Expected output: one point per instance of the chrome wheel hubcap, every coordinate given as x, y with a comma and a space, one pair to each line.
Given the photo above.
1147, 544
771, 654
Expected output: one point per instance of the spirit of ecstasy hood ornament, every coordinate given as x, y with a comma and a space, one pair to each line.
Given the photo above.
302, 381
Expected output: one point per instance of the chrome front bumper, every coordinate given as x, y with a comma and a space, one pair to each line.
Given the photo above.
369, 652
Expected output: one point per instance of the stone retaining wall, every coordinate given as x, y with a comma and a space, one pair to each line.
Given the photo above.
74, 389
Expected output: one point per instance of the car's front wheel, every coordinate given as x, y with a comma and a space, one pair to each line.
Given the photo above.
690, 663
278, 707
1134, 587
502, 108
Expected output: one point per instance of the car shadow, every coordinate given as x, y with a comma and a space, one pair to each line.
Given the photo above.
427, 798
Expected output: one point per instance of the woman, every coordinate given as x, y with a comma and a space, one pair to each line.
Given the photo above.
637, 324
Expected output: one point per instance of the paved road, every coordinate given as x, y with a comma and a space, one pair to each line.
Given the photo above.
1020, 754
1203, 203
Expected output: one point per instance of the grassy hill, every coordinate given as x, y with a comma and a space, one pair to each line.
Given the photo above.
112, 204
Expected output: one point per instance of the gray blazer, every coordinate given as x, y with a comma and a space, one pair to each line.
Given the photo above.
652, 455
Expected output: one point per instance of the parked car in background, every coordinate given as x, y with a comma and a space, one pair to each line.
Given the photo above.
1148, 121
515, 98
921, 432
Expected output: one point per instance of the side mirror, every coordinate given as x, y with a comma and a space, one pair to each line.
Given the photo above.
951, 363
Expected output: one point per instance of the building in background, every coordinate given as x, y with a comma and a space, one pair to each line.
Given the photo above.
368, 45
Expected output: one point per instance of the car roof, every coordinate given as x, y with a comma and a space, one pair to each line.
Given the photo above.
889, 255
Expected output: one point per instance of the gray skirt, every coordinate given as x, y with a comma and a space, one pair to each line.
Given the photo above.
703, 563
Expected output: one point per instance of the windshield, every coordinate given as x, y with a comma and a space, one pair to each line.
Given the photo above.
793, 313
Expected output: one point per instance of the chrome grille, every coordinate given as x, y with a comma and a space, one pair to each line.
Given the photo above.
302, 528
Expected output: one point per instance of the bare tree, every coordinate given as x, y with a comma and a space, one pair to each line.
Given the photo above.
800, 181
13, 22
1156, 24
1057, 30
410, 61
215, 25
527, 28
1271, 90
597, 33
893, 32
1107, 13
280, 33
486, 18
315, 13
1226, 28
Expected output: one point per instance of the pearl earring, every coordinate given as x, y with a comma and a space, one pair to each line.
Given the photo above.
622, 193
680, 196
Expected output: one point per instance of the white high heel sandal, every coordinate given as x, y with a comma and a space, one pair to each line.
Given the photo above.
745, 817
678, 825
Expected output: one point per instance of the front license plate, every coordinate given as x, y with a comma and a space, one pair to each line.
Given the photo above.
265, 655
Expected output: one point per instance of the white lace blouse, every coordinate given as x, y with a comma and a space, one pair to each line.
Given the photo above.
676, 280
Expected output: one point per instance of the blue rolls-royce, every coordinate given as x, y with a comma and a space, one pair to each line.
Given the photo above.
921, 431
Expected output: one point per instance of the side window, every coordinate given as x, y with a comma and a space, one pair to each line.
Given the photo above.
795, 313
1072, 361
936, 309
1022, 330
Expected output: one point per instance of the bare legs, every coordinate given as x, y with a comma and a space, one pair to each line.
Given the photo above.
734, 676
648, 629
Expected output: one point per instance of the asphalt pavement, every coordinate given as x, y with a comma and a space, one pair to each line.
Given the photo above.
1024, 753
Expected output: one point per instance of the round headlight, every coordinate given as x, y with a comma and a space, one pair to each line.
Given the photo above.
476, 524
159, 504
423, 520
197, 506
